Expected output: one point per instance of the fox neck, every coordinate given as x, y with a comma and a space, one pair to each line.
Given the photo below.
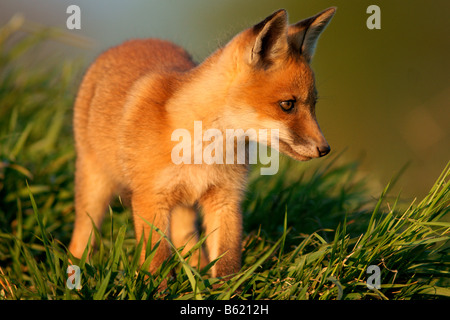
202, 95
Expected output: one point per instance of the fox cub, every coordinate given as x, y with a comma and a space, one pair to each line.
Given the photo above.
135, 95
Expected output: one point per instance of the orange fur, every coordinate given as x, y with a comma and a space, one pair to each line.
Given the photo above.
136, 94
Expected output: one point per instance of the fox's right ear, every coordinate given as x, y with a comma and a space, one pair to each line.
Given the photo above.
270, 39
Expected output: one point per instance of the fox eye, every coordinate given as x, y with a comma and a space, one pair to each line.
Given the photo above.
287, 105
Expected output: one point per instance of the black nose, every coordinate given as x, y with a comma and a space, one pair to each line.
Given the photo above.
323, 150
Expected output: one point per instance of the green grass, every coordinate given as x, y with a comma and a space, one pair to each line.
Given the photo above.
311, 231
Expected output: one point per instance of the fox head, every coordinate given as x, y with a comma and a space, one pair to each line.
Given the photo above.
273, 86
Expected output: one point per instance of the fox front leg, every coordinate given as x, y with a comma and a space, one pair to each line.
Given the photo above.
222, 222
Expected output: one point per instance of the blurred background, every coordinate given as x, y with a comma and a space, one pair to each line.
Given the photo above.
384, 94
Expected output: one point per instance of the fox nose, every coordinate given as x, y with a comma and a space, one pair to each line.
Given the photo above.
323, 150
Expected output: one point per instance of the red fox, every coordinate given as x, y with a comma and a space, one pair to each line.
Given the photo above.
135, 95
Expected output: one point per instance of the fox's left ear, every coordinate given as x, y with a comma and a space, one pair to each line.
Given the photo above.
303, 35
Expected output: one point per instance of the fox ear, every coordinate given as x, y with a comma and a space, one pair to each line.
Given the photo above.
271, 39
303, 35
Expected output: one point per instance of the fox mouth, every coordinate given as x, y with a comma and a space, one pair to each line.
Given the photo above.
288, 150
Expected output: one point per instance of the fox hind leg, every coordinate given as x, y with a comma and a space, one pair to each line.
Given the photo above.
93, 191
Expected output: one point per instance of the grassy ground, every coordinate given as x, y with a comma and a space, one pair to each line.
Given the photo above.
309, 234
